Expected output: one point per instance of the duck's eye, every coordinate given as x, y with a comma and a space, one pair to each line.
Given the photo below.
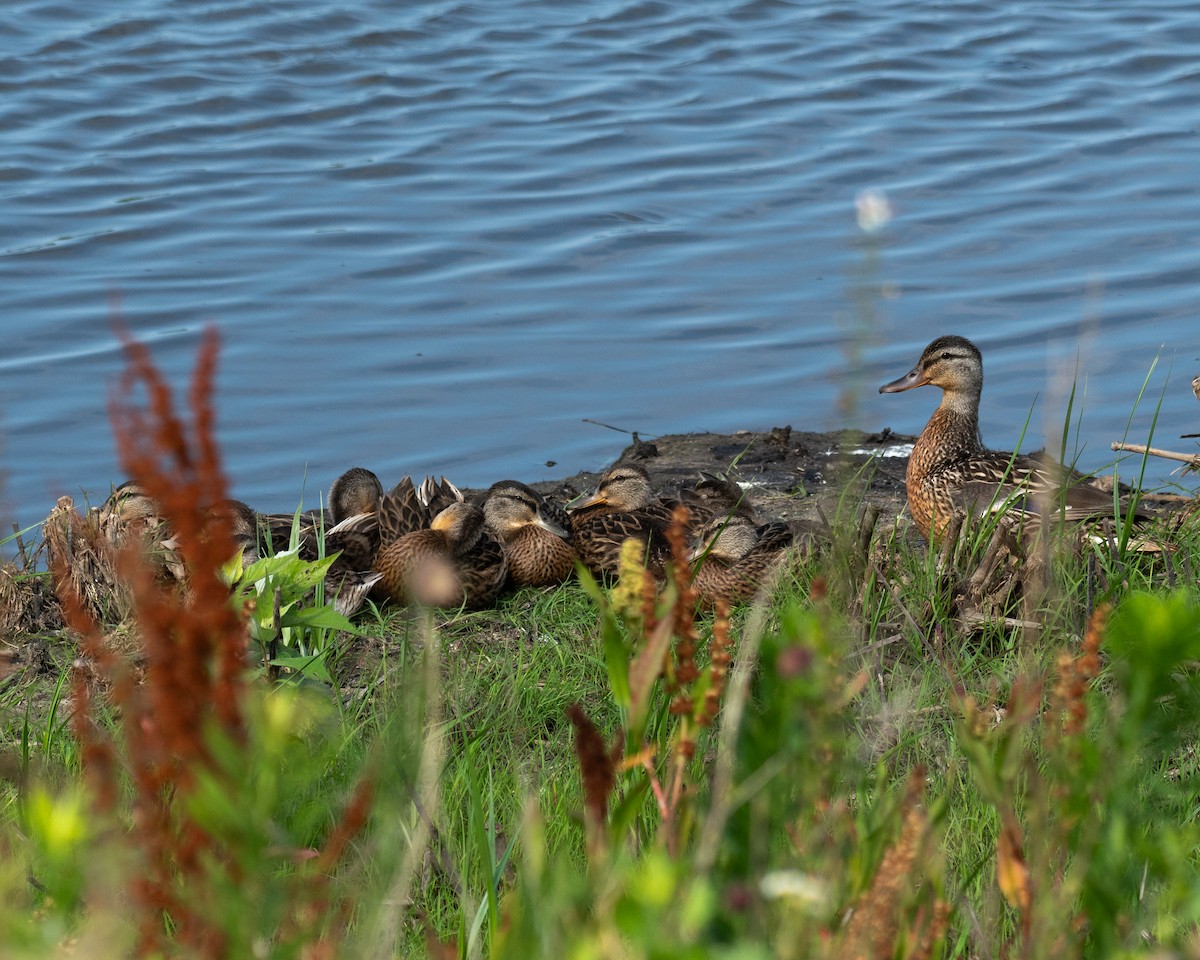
947, 355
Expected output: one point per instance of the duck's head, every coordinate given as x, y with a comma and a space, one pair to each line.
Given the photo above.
952, 363
714, 495
623, 487
129, 503
510, 506
241, 518
461, 523
356, 491
727, 538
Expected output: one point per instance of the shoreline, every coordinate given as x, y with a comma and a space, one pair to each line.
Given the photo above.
788, 474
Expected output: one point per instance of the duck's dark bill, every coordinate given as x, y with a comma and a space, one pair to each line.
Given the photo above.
914, 378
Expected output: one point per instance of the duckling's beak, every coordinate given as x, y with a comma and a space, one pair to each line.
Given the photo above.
914, 378
595, 500
547, 524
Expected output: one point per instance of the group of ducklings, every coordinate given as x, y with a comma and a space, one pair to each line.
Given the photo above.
427, 543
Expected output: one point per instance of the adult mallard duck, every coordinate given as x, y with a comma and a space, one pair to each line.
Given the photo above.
536, 541
455, 562
715, 496
733, 557
367, 518
624, 507
357, 491
950, 470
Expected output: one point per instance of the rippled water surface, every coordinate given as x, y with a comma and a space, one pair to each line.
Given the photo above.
440, 236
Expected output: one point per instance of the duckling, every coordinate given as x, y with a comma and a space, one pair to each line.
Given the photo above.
624, 507
454, 562
950, 470
537, 545
733, 558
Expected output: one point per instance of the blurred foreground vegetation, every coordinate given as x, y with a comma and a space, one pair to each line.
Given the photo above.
898, 752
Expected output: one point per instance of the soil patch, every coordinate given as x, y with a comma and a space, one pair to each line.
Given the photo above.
788, 474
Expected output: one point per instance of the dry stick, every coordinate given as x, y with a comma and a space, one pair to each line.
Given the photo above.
989, 562
866, 529
876, 645
950, 542
1189, 458
21, 548
1170, 565
1091, 585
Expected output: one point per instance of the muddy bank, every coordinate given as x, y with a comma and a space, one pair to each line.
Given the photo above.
789, 474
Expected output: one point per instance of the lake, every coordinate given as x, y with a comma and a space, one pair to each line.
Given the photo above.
447, 237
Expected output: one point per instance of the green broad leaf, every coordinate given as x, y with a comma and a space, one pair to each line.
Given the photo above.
309, 666
232, 569
616, 660
322, 616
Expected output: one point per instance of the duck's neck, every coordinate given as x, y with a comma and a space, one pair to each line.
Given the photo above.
953, 431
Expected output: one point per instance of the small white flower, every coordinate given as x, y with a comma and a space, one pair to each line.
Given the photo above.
795, 885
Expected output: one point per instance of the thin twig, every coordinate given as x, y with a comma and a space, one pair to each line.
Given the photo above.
1189, 458
607, 426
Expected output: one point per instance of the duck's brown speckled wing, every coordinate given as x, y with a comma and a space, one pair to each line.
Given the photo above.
994, 481
598, 538
774, 536
437, 495
482, 572
556, 513
401, 512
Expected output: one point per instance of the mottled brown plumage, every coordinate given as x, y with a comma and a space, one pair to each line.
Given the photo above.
403, 509
455, 562
537, 545
950, 470
624, 507
715, 496
733, 558
356, 491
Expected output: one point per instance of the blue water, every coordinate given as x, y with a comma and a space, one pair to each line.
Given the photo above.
440, 236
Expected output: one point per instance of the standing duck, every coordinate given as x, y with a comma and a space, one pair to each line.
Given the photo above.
537, 544
950, 470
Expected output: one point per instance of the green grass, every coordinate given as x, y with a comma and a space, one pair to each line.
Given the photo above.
478, 834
